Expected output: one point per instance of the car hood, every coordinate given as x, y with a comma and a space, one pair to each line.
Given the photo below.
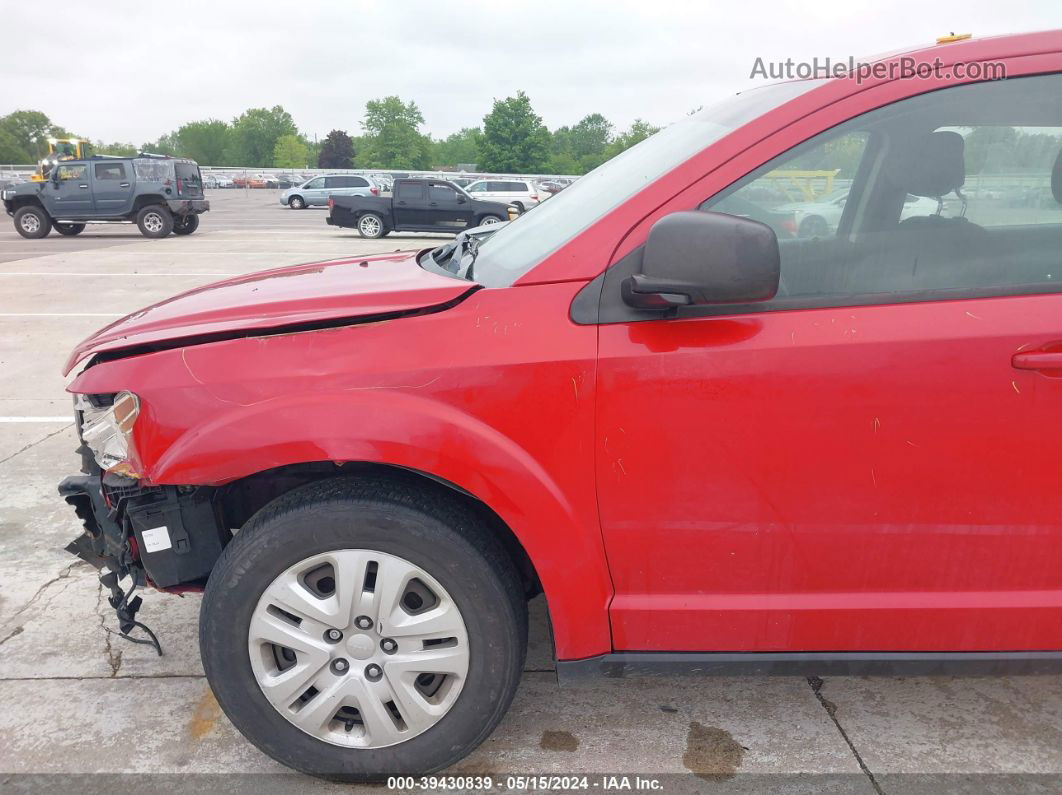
282, 300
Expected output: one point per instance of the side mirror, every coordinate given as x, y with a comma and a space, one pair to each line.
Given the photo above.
696, 258
461, 199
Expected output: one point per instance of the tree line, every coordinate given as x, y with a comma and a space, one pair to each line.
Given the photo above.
512, 138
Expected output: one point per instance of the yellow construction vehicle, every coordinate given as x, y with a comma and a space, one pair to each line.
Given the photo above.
61, 149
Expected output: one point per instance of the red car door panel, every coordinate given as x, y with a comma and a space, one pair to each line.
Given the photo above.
859, 478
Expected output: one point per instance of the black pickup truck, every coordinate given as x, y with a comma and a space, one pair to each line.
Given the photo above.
416, 205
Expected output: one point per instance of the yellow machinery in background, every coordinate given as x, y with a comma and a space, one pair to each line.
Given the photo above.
61, 149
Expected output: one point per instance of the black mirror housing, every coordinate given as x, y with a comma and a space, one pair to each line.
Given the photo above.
695, 258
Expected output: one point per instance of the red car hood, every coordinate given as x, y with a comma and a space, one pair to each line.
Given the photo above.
280, 299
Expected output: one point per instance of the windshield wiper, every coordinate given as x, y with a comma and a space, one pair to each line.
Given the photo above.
472, 249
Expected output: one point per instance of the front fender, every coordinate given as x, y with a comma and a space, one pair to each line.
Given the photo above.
495, 396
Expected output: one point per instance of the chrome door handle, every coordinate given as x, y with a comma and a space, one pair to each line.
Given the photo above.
83, 187
123, 184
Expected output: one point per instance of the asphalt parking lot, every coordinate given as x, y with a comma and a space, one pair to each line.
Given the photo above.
78, 700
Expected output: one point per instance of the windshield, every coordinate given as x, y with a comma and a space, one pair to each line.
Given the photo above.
514, 250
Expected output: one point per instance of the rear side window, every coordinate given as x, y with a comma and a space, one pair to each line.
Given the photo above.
109, 171
153, 170
410, 191
956, 193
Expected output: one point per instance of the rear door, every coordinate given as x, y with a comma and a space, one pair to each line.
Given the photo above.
869, 461
410, 204
71, 195
112, 187
189, 180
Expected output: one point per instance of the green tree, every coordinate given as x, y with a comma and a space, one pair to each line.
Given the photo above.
205, 141
291, 152
254, 135
392, 136
635, 134
590, 139
117, 149
24, 135
165, 145
514, 138
337, 151
459, 147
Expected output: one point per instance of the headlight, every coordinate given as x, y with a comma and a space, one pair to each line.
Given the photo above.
106, 428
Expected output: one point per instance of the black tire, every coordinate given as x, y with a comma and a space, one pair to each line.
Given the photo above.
32, 222
185, 224
438, 534
155, 221
519, 206
70, 230
296, 203
372, 226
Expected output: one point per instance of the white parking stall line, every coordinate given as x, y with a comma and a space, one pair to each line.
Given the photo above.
64, 420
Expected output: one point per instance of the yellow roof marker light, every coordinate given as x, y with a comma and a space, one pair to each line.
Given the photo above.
954, 37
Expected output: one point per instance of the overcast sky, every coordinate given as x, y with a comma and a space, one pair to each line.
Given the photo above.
131, 71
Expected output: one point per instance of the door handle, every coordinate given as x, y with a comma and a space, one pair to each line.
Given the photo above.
83, 187
123, 184
1048, 362
400, 202
433, 204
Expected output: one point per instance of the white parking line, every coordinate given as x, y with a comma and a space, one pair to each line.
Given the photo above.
37, 419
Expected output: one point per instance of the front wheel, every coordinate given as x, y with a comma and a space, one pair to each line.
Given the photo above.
32, 222
296, 203
361, 628
154, 221
185, 224
372, 226
487, 220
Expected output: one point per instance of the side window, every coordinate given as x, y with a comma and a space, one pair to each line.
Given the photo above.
69, 172
1008, 174
410, 191
109, 171
358, 182
333, 182
316, 184
478, 187
441, 193
915, 202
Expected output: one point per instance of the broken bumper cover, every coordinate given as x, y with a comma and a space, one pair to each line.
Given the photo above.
162, 535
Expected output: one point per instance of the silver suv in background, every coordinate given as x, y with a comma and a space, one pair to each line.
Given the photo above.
521, 192
316, 190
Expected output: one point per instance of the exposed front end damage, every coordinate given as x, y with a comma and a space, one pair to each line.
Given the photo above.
167, 537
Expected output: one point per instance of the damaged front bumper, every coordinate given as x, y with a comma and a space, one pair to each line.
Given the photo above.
167, 537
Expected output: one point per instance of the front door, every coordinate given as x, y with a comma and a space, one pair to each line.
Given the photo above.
868, 462
70, 194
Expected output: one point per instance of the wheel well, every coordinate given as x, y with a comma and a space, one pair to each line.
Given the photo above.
241, 499
149, 198
295, 196
26, 201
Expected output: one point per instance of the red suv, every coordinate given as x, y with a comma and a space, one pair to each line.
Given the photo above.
709, 447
